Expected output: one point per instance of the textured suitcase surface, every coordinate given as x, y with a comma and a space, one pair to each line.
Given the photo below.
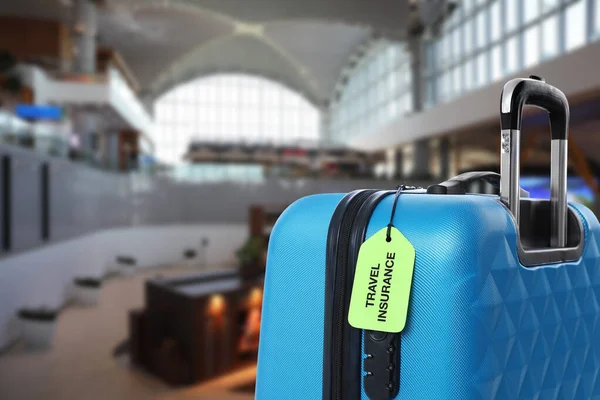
291, 339
480, 325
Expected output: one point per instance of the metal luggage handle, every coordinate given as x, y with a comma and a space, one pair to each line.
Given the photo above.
534, 91
460, 183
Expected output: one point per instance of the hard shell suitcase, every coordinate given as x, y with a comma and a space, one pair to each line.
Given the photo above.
497, 309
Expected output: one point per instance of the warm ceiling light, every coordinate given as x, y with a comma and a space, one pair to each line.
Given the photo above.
255, 297
216, 305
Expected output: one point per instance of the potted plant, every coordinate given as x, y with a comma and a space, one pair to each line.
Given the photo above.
87, 291
37, 326
251, 257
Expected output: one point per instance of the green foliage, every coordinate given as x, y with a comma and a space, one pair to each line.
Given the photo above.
7, 61
11, 81
13, 84
251, 251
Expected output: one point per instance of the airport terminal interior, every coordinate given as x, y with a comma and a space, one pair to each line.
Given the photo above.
147, 148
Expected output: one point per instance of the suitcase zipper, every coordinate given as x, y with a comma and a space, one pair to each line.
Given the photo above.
342, 372
338, 238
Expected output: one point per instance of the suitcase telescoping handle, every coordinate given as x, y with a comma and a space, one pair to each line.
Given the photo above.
460, 184
534, 91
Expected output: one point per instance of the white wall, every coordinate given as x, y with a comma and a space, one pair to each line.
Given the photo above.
49, 90
35, 78
43, 277
126, 103
115, 92
575, 73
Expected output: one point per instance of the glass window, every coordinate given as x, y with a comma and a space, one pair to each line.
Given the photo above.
450, 91
511, 55
438, 53
481, 34
532, 46
454, 17
597, 17
468, 6
392, 83
575, 25
468, 36
429, 55
382, 90
496, 63
442, 87
372, 97
549, 37
429, 97
456, 44
161, 113
482, 69
367, 103
469, 74
531, 10
230, 108
448, 86
404, 77
408, 103
548, 5
448, 50
380, 65
392, 109
457, 80
512, 14
496, 21
391, 58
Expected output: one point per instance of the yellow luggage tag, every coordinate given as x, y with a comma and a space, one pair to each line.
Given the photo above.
382, 281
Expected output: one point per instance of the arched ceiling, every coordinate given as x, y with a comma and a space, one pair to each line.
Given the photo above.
388, 16
303, 44
236, 54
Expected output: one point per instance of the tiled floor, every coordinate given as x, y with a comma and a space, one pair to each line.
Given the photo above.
80, 365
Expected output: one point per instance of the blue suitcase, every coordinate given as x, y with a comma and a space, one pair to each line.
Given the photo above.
496, 311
